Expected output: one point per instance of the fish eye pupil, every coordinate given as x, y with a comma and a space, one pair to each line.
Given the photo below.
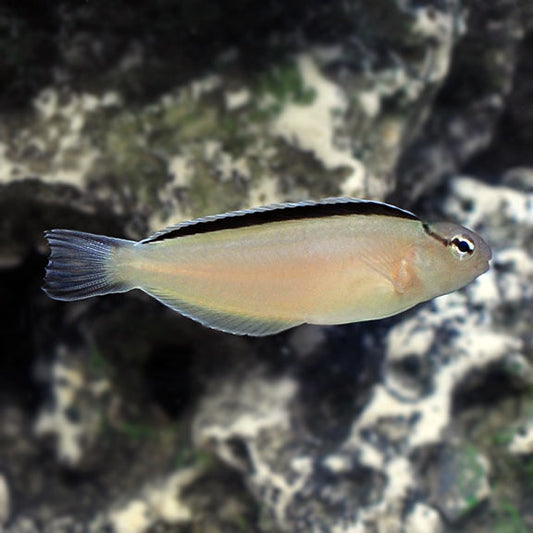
465, 246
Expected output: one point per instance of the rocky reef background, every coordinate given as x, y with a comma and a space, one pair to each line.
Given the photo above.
121, 117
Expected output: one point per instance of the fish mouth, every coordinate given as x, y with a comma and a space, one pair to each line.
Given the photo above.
486, 254
485, 265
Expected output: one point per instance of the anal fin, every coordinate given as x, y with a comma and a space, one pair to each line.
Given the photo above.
229, 323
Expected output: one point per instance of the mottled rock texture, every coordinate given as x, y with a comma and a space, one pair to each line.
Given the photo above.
119, 415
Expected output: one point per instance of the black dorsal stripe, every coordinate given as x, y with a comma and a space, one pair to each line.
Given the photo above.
281, 212
436, 236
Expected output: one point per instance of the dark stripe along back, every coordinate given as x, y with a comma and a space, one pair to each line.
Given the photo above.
281, 212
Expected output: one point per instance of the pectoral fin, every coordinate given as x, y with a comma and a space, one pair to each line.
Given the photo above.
403, 276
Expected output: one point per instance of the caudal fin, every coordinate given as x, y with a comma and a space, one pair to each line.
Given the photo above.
81, 265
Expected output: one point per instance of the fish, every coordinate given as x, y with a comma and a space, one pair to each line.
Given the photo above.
261, 271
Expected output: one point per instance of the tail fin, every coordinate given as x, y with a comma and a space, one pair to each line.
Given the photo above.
81, 265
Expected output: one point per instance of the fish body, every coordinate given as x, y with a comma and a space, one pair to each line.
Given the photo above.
262, 271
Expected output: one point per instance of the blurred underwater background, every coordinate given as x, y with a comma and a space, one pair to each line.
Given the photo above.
121, 117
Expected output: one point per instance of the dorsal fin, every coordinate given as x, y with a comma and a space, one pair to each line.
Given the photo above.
277, 212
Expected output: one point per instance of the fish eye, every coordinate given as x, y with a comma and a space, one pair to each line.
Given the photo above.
462, 246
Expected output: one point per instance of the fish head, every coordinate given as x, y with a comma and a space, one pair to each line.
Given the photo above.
457, 256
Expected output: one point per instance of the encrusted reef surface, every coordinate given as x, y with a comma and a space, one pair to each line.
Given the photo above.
119, 415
